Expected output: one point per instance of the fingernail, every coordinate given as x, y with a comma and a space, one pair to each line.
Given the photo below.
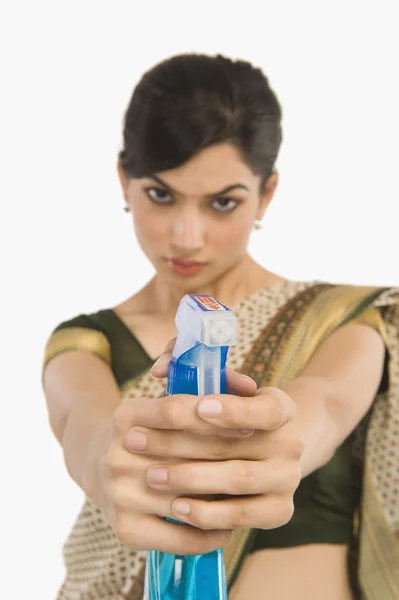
180, 507
162, 362
210, 408
246, 431
135, 440
157, 475
247, 377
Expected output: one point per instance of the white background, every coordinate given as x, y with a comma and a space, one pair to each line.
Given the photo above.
68, 69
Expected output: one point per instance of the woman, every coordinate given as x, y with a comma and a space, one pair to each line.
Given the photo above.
315, 369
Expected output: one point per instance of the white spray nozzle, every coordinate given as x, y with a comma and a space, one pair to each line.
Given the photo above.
201, 319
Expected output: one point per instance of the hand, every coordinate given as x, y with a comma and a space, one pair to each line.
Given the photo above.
259, 471
133, 508
258, 467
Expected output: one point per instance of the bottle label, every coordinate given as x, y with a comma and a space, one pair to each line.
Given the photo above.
208, 303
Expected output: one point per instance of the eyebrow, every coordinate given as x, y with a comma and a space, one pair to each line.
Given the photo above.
225, 190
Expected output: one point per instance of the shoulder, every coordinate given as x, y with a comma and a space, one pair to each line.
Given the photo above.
97, 321
84, 332
354, 298
357, 302
104, 335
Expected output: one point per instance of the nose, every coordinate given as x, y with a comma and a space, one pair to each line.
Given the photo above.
188, 233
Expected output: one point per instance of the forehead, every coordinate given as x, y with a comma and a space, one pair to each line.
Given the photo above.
210, 170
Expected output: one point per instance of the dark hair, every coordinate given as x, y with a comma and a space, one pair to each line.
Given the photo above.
192, 101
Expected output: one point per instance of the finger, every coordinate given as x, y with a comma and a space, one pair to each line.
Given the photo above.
258, 512
259, 445
160, 367
180, 444
154, 508
178, 412
155, 533
269, 409
239, 384
233, 477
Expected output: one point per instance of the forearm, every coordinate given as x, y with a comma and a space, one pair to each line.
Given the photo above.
319, 428
336, 390
85, 438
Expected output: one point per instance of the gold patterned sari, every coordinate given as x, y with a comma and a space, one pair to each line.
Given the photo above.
279, 329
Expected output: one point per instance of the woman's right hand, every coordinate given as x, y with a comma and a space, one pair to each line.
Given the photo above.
134, 510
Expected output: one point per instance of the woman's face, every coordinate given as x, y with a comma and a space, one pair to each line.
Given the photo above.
194, 222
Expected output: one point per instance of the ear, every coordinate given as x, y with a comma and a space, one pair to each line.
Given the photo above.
267, 193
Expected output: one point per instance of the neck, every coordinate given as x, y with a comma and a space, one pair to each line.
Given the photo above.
243, 279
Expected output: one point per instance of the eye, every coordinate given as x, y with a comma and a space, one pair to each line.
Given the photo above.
225, 204
158, 195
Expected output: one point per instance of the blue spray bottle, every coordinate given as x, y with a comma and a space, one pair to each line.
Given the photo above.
205, 330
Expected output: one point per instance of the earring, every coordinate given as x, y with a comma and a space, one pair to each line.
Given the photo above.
127, 208
257, 224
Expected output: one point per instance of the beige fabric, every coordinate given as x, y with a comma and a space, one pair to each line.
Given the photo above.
379, 547
383, 448
98, 566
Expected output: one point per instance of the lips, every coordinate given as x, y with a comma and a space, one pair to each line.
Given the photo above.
185, 267
185, 263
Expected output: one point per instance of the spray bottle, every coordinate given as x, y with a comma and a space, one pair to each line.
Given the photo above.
205, 330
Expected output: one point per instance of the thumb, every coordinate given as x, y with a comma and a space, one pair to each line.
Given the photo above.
160, 367
239, 384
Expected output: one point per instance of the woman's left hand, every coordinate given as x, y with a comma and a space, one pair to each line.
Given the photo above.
242, 446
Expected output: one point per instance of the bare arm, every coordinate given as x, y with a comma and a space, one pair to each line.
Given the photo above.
331, 395
90, 423
82, 396
296, 431
259, 472
336, 390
